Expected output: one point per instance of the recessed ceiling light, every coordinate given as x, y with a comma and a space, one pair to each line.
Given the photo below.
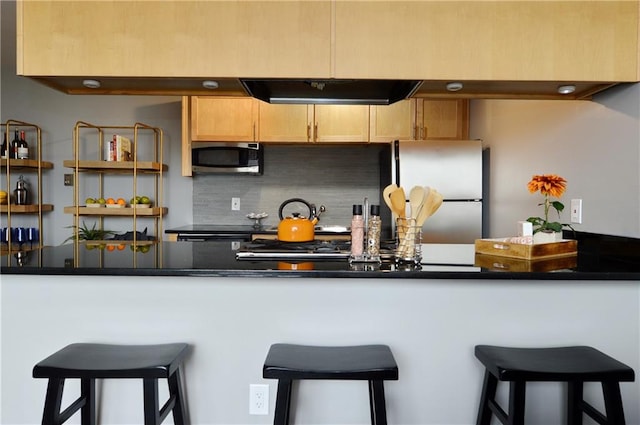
568, 89
455, 86
91, 84
210, 84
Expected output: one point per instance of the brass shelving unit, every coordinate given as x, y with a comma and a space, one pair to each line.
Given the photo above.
24, 166
100, 167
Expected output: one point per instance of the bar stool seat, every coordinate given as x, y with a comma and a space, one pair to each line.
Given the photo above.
89, 362
574, 365
290, 362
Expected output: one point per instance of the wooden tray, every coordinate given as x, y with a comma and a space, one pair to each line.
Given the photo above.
500, 248
509, 264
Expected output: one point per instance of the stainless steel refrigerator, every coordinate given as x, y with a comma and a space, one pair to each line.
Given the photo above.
458, 169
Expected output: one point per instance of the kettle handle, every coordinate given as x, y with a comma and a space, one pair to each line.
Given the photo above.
288, 201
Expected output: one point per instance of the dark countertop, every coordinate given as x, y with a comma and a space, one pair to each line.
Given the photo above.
600, 257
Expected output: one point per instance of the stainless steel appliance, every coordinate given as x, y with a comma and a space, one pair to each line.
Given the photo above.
317, 250
333, 91
227, 158
456, 168
211, 232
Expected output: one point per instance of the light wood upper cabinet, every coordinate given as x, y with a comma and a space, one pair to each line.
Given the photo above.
284, 123
487, 40
223, 119
393, 122
341, 123
174, 38
420, 119
313, 123
442, 119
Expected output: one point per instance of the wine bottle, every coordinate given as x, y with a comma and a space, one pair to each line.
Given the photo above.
14, 146
3, 150
23, 147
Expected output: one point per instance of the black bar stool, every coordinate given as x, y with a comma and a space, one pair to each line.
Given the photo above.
573, 365
89, 362
290, 362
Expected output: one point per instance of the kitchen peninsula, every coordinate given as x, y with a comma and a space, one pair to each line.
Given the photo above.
231, 311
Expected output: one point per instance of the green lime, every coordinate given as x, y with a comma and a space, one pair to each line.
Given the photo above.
102, 201
145, 200
90, 201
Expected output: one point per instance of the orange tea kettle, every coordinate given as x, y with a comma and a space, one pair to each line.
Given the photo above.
297, 228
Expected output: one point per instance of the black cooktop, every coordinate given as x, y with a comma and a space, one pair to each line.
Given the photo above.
271, 249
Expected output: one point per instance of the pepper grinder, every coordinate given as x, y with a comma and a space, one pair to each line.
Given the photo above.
21, 194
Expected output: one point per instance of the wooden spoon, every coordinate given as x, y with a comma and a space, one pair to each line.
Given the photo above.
431, 205
416, 201
386, 195
399, 203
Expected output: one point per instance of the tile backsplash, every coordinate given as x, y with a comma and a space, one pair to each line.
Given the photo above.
334, 176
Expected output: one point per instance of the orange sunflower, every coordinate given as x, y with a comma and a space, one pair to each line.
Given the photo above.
548, 184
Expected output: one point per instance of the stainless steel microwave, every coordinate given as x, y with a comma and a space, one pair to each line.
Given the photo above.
227, 158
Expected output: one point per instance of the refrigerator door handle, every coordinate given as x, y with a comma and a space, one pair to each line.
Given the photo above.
396, 157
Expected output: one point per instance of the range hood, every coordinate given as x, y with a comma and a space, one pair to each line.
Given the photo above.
331, 91
259, 87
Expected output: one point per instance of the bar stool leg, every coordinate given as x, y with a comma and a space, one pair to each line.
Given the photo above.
517, 391
88, 393
613, 403
52, 401
377, 403
151, 402
283, 402
488, 394
180, 415
574, 402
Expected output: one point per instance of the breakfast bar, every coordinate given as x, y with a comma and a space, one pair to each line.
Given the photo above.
231, 311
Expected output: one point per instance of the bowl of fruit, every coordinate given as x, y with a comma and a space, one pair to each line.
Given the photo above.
140, 202
116, 203
95, 202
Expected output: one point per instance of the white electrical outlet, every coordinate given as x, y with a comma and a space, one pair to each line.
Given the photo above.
258, 399
576, 211
235, 204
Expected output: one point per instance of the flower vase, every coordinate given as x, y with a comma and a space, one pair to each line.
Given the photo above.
547, 237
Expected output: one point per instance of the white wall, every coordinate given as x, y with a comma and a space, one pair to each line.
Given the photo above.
595, 145
431, 326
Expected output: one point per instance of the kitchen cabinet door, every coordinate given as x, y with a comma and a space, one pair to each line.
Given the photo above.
393, 122
174, 38
442, 119
284, 123
341, 123
487, 40
223, 119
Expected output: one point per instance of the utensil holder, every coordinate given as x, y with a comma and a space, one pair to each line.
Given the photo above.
408, 241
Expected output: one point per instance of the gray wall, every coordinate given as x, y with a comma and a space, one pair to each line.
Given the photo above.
431, 325
595, 145
334, 176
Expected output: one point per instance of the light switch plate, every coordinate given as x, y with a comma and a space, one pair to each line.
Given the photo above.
576, 211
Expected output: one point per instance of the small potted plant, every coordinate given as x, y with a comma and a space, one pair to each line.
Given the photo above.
84, 233
549, 185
